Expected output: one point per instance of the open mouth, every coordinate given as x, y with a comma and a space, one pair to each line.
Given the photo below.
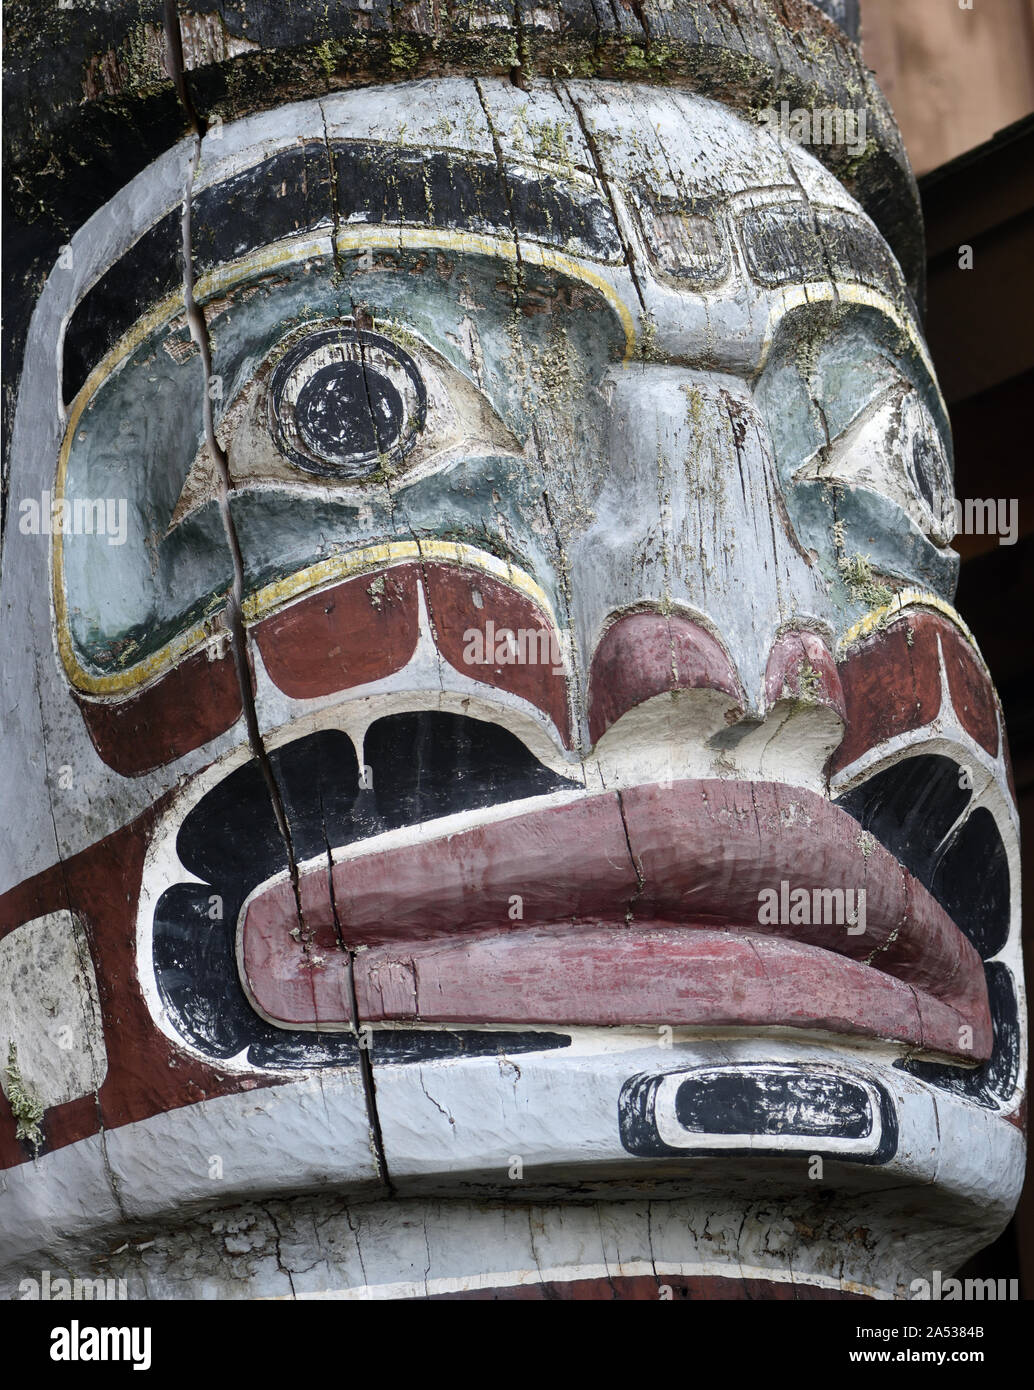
461, 885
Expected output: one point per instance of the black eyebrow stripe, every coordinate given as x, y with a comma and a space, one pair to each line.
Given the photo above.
295, 191
788, 243
147, 273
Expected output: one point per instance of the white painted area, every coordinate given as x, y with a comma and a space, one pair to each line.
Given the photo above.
684, 734
310, 1133
457, 1220
452, 1123
60, 1197
49, 1010
277, 1139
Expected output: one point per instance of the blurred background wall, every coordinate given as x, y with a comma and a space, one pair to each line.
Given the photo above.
953, 76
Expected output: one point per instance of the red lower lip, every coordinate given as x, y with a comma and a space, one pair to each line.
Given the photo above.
543, 919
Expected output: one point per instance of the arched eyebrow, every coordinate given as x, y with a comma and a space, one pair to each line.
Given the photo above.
309, 188
381, 184
794, 242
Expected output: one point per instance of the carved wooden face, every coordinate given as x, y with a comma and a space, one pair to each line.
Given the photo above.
588, 473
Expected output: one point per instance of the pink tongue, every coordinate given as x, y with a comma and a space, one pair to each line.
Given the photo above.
524, 921
609, 974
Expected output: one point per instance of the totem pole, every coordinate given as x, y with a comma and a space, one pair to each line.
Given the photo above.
498, 801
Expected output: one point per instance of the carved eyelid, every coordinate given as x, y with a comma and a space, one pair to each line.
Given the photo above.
915, 474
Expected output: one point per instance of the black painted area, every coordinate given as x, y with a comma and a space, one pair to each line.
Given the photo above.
289, 194
765, 1103
427, 1045
382, 184
773, 1103
971, 881
345, 411
149, 271
913, 808
427, 765
782, 246
996, 1080
927, 470
231, 841
793, 242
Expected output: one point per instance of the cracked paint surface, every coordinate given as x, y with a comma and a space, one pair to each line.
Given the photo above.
602, 375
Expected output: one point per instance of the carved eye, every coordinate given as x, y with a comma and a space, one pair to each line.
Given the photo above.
344, 400
892, 447
345, 408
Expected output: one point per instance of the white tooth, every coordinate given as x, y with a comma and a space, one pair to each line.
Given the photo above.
684, 734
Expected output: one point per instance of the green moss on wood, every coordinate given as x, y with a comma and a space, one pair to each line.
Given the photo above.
25, 1106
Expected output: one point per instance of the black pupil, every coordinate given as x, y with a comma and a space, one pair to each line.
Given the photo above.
346, 409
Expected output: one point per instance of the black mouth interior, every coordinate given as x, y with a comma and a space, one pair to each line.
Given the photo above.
419, 767
916, 809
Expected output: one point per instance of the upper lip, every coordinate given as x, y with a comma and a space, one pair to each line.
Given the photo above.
635, 907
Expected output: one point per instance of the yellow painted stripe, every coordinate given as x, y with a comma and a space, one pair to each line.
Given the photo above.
273, 596
362, 237
210, 285
373, 557
907, 599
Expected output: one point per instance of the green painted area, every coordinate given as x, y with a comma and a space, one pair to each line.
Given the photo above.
828, 367
530, 346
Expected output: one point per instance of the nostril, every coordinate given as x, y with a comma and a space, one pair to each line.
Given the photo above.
801, 669
647, 654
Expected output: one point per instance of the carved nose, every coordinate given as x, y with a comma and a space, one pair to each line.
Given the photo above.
647, 654
801, 668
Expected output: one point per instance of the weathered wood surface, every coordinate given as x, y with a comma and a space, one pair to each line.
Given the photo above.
90, 101
484, 714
